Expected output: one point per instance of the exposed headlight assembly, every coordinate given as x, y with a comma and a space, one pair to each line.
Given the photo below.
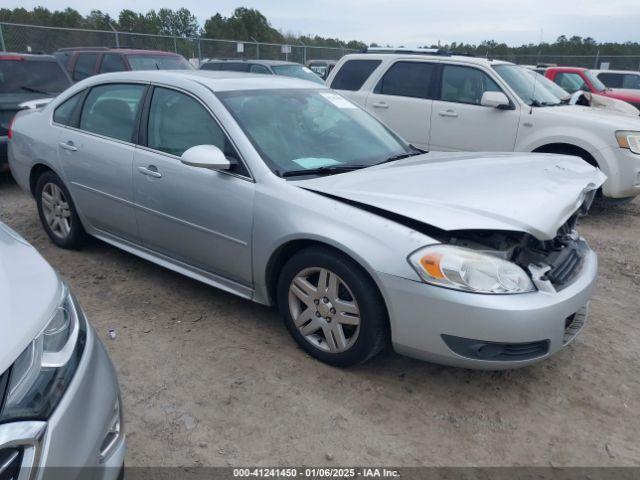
42, 373
629, 140
468, 270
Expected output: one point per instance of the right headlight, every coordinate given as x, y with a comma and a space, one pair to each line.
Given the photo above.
42, 373
468, 270
629, 140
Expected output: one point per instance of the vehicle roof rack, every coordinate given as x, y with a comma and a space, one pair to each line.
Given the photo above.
73, 49
413, 51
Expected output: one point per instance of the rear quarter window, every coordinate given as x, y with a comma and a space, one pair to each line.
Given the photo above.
353, 74
64, 113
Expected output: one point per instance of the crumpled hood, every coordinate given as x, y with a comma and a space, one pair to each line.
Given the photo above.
532, 193
29, 292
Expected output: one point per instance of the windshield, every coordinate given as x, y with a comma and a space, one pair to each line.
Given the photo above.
297, 130
297, 71
158, 62
531, 92
597, 84
553, 87
24, 76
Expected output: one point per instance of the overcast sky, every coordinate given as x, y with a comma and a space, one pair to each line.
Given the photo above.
411, 22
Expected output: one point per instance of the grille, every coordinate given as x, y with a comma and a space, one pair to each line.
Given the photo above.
564, 267
10, 461
496, 351
574, 323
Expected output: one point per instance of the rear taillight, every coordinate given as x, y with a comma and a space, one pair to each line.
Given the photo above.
10, 129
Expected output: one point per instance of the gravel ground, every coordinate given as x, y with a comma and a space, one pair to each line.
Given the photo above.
210, 379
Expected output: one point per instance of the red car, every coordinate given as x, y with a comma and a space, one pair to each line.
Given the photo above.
83, 62
573, 79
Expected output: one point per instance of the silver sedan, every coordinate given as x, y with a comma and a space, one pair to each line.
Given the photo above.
284, 192
60, 409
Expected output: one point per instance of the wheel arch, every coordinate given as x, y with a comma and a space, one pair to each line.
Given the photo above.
568, 149
36, 171
288, 249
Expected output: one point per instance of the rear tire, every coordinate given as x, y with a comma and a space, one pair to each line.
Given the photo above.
58, 213
332, 307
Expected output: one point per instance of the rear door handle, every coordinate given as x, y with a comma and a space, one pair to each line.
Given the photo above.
68, 146
448, 113
379, 105
150, 171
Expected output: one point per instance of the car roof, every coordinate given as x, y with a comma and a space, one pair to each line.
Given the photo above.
27, 56
126, 51
425, 56
216, 81
259, 62
632, 72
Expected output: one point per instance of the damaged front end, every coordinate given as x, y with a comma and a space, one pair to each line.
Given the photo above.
552, 264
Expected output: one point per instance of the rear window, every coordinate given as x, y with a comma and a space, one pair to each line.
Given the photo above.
408, 79
24, 76
158, 62
235, 66
353, 74
210, 66
85, 66
112, 62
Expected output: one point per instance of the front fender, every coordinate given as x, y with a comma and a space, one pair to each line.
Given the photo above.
375, 243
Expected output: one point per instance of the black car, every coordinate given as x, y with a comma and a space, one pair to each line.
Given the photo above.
25, 77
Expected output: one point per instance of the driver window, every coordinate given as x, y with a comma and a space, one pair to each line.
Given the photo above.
465, 85
178, 122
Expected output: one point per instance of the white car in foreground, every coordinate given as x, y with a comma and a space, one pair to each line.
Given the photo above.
443, 102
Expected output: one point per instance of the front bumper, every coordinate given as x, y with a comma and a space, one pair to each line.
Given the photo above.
623, 177
67, 445
421, 314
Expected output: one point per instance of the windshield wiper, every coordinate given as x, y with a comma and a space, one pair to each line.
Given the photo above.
324, 170
34, 90
400, 156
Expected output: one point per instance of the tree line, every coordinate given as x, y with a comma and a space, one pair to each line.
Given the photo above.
246, 24
249, 24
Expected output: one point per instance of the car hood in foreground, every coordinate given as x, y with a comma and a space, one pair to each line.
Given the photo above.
532, 193
29, 292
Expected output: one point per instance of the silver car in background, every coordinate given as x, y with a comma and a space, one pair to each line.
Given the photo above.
284, 192
59, 397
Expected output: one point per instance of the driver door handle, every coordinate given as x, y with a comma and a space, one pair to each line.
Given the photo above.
150, 171
379, 105
448, 113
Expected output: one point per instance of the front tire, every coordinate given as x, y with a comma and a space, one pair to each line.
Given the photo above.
58, 213
332, 307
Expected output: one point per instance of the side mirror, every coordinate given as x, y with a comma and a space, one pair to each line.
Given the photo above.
495, 100
206, 156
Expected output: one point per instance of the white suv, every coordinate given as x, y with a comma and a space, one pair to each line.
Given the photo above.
438, 101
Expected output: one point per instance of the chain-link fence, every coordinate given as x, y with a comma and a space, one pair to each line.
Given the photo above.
597, 61
32, 38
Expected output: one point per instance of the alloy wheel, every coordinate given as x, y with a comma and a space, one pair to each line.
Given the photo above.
55, 208
324, 309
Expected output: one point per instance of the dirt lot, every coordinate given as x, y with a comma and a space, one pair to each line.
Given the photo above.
210, 379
